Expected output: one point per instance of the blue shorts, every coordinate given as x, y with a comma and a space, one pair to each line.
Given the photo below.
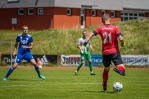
27, 56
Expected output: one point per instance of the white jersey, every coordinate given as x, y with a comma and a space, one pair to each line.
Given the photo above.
81, 41
83, 50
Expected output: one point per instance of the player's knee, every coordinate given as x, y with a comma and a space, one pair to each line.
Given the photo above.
83, 62
90, 60
33, 62
107, 68
15, 65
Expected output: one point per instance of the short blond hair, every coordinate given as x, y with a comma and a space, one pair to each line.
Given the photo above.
24, 26
105, 17
84, 31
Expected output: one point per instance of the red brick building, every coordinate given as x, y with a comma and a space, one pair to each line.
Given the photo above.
47, 14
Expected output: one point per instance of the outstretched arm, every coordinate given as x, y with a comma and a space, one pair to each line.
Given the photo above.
121, 39
88, 38
91, 47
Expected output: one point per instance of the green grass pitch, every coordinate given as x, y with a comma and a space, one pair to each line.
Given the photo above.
63, 84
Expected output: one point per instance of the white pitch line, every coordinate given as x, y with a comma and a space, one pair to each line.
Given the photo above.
14, 86
50, 84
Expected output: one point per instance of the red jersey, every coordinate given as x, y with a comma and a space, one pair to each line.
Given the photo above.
108, 34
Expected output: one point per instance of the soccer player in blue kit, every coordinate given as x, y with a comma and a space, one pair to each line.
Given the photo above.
24, 42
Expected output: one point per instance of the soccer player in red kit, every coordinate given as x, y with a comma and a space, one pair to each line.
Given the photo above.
110, 50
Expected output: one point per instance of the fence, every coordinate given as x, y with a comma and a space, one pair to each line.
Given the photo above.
3, 49
129, 60
74, 60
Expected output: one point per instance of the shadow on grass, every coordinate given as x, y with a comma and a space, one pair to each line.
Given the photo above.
111, 92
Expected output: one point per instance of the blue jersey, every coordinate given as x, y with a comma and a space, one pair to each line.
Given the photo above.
24, 40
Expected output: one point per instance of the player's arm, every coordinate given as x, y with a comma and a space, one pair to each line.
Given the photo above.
82, 48
119, 35
79, 44
89, 37
28, 47
91, 47
15, 48
121, 39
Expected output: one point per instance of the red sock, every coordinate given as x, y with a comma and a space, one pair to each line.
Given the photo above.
121, 68
105, 77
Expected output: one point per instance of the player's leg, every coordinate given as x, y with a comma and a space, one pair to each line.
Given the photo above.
83, 59
119, 64
105, 75
32, 61
29, 57
11, 69
90, 64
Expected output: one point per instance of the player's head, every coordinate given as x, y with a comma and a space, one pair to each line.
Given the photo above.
25, 29
84, 33
105, 18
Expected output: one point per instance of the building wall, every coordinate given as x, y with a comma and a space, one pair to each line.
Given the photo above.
117, 17
5, 18
62, 20
35, 21
54, 17
92, 20
55, 12
147, 14
95, 20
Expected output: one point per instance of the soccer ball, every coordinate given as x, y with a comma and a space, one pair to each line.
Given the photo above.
117, 87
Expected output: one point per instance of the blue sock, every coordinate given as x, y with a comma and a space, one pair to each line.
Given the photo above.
9, 71
37, 70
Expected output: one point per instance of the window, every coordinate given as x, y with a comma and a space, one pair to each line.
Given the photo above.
13, 20
13, 0
94, 12
20, 11
135, 14
126, 14
121, 14
125, 18
30, 11
130, 14
40, 11
141, 14
103, 12
68, 12
113, 14
130, 18
82, 11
